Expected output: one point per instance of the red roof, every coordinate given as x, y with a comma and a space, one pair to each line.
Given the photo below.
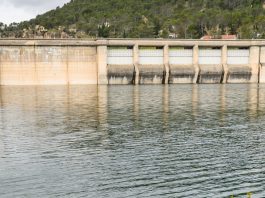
229, 36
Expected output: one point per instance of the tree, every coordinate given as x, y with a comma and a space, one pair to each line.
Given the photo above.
148, 19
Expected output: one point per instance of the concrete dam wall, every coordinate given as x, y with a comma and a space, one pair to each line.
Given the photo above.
121, 61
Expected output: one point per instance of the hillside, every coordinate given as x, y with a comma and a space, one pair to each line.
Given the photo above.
145, 19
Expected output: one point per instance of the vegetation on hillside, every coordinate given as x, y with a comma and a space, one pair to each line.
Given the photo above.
145, 19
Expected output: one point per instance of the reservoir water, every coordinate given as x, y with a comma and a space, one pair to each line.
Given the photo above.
132, 141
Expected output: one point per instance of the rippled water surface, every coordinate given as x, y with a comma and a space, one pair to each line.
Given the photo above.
132, 141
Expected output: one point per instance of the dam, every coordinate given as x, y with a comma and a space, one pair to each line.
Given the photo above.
130, 61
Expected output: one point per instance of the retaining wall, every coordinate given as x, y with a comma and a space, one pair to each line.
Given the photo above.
131, 61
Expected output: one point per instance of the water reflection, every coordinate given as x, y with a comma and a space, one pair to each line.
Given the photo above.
165, 106
132, 141
100, 99
195, 100
253, 97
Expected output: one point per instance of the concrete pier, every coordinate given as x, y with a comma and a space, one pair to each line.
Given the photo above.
131, 61
262, 65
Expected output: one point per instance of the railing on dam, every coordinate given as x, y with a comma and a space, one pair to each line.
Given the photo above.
131, 61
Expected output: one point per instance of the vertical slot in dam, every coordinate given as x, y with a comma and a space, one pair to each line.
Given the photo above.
151, 65
120, 68
181, 68
239, 69
210, 64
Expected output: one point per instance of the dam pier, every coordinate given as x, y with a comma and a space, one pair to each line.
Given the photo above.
131, 61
